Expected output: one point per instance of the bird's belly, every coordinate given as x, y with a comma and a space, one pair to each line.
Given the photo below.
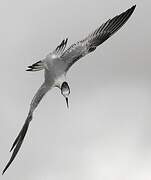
53, 73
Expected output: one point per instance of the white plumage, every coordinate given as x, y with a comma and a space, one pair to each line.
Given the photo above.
57, 63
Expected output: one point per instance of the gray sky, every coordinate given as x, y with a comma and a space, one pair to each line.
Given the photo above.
105, 135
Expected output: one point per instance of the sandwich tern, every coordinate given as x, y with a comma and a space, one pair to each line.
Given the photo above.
57, 63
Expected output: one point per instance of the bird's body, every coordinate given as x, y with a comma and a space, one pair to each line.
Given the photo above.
54, 70
57, 64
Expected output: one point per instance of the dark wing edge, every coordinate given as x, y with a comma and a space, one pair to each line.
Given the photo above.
36, 66
101, 34
18, 142
20, 138
107, 29
61, 47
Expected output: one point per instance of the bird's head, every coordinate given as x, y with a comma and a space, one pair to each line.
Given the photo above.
65, 91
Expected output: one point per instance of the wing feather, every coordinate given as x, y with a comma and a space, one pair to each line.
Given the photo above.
20, 138
60, 48
36, 66
101, 34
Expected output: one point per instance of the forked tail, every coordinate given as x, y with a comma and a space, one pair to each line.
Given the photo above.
36, 66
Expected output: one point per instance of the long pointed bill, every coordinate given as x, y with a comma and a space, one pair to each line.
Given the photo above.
67, 102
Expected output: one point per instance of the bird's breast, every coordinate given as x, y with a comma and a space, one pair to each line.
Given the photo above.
55, 69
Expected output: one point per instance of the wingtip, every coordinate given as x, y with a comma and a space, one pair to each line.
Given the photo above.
134, 6
131, 10
4, 171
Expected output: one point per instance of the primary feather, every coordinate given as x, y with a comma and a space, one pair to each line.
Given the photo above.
91, 42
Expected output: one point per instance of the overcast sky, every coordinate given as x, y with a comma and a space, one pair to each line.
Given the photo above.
105, 134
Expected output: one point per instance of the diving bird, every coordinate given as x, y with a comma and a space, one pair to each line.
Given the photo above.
57, 63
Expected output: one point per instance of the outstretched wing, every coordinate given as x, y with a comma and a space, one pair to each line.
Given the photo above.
19, 140
90, 43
